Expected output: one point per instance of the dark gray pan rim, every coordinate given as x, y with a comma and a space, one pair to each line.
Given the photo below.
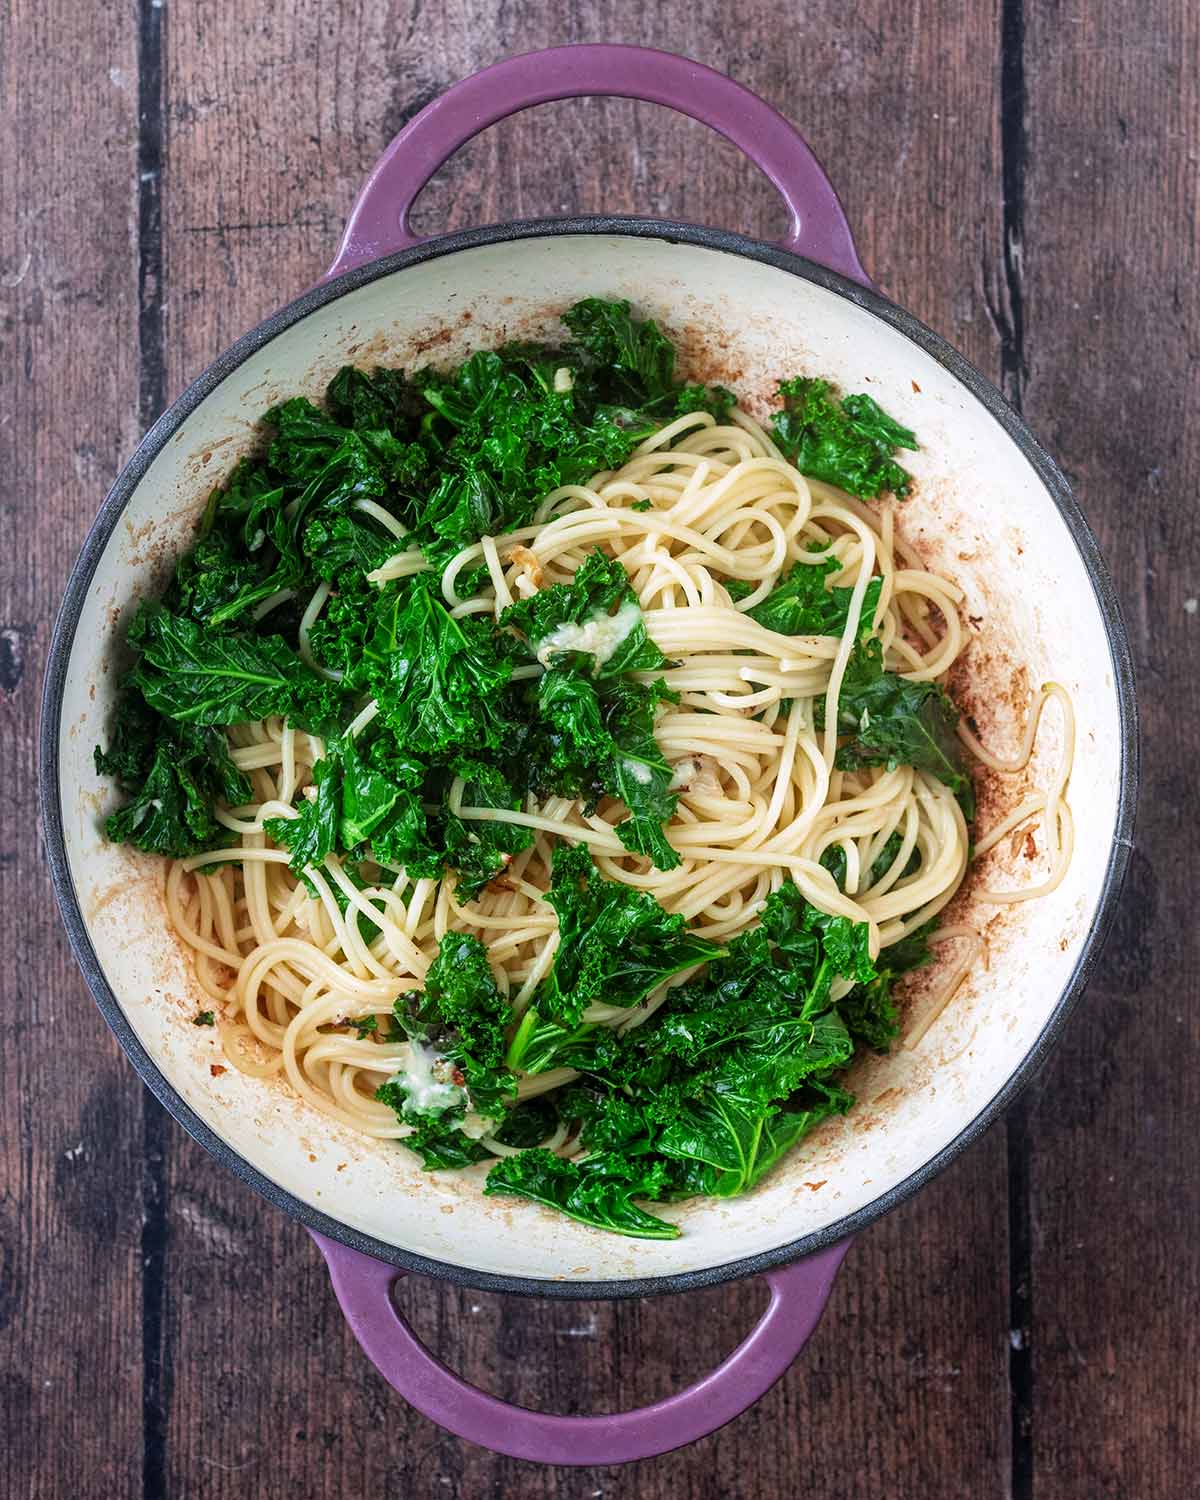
714, 239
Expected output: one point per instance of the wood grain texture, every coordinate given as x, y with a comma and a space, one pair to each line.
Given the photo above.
248, 189
70, 1114
222, 1368
1111, 291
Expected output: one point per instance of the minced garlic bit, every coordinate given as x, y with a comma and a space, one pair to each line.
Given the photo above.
529, 561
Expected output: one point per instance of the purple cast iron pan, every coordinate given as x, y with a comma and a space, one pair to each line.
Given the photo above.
379, 227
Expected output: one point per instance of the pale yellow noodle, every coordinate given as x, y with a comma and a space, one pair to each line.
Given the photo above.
948, 987
293, 965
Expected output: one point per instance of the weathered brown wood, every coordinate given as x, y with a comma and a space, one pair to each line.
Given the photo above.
268, 143
70, 1106
271, 120
1111, 291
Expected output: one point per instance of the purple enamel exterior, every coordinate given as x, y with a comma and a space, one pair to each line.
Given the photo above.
378, 225
798, 1296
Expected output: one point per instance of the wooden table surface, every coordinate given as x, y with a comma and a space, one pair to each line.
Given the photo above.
1022, 174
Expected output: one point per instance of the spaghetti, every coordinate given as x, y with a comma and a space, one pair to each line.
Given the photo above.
705, 517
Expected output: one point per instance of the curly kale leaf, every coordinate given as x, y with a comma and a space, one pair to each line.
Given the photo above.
598, 1190
455, 1026
600, 591
869, 1010
592, 737
849, 443
633, 359
888, 720
174, 773
375, 401
461, 1006
802, 603
616, 943
444, 687
196, 675
312, 835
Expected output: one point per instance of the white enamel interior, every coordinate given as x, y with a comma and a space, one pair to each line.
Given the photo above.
981, 514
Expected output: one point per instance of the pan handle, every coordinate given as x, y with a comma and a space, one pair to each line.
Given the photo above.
798, 1296
379, 220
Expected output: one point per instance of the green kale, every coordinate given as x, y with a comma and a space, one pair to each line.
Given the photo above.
714, 399
802, 603
416, 829
444, 688
501, 435
616, 943
439, 1143
870, 1014
375, 401
594, 737
200, 676
405, 839
638, 772
242, 556
460, 999
598, 1190
822, 945
327, 467
339, 546
461, 1015
218, 583
204, 1018
869, 1010
313, 835
286, 519
479, 852
357, 635
368, 796
569, 750
132, 741
890, 720
727, 1141
632, 359
607, 1119
848, 443
175, 773
598, 589
539, 1044
528, 1124
356, 807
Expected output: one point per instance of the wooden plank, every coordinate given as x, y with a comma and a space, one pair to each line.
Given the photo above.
70, 1106
272, 126
902, 1366
1110, 113
1110, 290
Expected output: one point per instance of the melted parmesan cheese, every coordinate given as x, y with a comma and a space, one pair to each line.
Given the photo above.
427, 1080
600, 635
